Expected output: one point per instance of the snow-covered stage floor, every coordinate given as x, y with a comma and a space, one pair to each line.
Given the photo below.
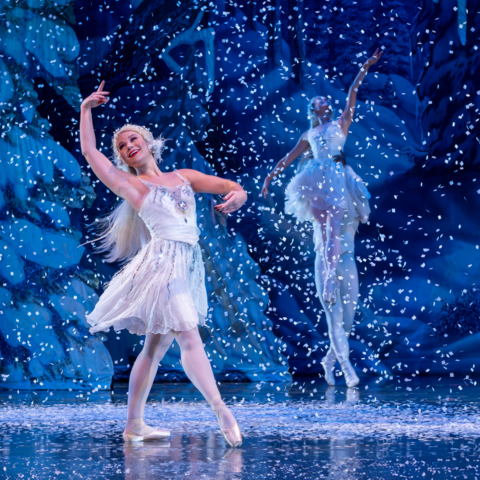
290, 431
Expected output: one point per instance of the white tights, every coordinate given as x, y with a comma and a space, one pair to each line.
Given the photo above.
339, 316
330, 222
144, 371
196, 366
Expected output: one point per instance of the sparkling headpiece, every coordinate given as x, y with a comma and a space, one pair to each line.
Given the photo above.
155, 145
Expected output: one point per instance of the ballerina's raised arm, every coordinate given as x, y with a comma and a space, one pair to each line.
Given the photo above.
346, 117
117, 180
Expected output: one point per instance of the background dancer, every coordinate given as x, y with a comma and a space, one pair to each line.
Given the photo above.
319, 191
160, 292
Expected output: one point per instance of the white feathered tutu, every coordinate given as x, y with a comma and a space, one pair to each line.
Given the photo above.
321, 183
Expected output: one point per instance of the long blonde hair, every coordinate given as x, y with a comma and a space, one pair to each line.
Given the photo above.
314, 122
122, 232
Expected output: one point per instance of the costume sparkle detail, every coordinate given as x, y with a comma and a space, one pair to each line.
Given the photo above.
171, 271
135, 273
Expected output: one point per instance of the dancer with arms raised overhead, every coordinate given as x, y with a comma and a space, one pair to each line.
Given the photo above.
321, 192
160, 292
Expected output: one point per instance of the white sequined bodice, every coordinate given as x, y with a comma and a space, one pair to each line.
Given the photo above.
170, 212
327, 143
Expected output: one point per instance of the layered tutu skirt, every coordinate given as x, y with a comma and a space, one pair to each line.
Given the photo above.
323, 184
161, 289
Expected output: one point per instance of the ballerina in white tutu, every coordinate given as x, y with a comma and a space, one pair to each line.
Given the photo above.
324, 191
160, 292
318, 192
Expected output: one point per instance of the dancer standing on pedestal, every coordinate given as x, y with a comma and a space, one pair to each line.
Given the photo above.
319, 193
160, 292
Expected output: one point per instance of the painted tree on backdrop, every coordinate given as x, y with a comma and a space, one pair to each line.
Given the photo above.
44, 340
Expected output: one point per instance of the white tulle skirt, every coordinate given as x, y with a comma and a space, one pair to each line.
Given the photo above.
357, 196
161, 289
323, 184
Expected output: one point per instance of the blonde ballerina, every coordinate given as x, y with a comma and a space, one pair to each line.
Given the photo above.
160, 292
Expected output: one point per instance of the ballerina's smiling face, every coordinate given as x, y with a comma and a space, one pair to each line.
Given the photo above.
133, 149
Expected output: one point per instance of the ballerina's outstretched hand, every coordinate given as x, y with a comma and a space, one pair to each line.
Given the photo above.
234, 200
266, 184
374, 58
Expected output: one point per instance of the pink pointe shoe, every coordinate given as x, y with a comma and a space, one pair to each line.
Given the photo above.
140, 432
232, 435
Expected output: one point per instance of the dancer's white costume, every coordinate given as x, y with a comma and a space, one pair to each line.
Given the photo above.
321, 183
161, 293
162, 288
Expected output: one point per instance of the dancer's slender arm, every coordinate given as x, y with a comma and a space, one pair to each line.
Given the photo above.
347, 116
115, 179
234, 195
301, 147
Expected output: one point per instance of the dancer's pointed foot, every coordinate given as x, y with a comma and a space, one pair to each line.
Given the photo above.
137, 431
329, 368
330, 288
227, 423
351, 378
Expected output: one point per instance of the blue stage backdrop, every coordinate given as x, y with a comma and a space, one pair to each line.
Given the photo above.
228, 83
